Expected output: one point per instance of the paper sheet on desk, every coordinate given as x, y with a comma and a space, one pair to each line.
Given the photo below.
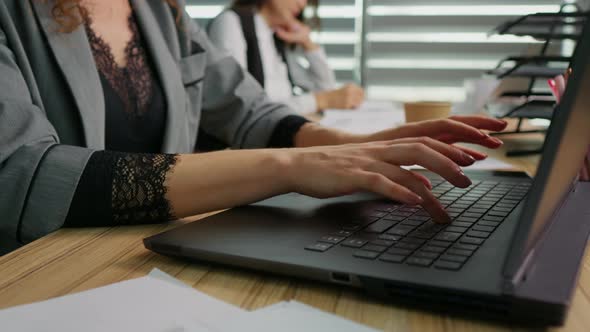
293, 317
372, 116
147, 304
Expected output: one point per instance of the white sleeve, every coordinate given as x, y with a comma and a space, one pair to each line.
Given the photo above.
303, 104
320, 70
225, 31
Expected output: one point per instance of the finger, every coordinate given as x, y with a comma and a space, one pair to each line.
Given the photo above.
457, 155
451, 131
446, 127
422, 155
488, 141
481, 122
478, 155
409, 180
380, 184
423, 179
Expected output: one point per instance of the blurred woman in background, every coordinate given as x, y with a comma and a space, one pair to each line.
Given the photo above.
271, 39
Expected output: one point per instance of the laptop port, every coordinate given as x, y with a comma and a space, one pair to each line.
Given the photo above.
340, 277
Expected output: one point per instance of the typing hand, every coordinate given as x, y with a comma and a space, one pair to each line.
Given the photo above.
349, 96
331, 171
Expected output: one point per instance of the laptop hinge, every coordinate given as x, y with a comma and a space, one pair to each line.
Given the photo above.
520, 274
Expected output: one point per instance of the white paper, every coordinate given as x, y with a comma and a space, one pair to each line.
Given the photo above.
490, 164
145, 304
293, 317
371, 117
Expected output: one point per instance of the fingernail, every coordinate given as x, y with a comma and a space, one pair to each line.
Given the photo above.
498, 141
469, 158
466, 180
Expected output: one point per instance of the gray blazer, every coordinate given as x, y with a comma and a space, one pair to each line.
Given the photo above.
52, 114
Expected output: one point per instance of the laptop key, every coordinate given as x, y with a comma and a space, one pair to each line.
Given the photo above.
391, 258
320, 247
331, 239
459, 252
437, 243
482, 235
426, 254
399, 251
410, 222
463, 246
420, 218
354, 243
373, 247
417, 261
400, 230
492, 218
389, 237
385, 243
423, 235
343, 233
446, 265
461, 224
454, 258
379, 226
434, 249
471, 240
466, 219
482, 228
498, 213
405, 245
394, 218
365, 254
488, 223
472, 215
413, 240
447, 236
456, 229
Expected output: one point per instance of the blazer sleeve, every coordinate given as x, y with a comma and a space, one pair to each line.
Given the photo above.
235, 108
38, 176
225, 32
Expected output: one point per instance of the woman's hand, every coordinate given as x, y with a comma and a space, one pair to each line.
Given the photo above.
467, 129
376, 167
297, 33
349, 96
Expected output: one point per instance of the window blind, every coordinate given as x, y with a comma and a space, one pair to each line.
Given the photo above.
413, 49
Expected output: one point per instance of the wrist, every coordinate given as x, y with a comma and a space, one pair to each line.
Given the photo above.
321, 99
281, 163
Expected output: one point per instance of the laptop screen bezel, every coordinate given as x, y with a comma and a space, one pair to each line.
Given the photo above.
519, 255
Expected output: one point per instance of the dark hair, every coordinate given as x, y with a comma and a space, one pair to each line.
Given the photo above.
313, 21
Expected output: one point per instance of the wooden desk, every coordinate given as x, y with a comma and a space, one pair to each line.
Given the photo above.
70, 261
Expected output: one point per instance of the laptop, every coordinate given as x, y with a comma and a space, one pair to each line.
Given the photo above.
512, 251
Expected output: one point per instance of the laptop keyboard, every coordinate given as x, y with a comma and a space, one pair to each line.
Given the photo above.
401, 234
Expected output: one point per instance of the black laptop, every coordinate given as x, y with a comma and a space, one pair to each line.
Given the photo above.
512, 251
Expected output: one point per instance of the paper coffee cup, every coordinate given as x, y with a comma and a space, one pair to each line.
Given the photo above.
426, 110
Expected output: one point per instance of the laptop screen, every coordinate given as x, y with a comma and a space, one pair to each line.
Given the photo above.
564, 152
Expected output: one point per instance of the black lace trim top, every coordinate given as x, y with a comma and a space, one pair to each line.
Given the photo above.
126, 184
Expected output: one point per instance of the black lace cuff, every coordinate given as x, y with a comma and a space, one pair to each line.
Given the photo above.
284, 134
122, 189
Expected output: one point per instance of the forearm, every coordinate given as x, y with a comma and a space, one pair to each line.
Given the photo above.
213, 181
313, 134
